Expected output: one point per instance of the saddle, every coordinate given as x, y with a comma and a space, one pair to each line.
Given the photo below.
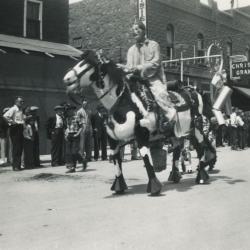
182, 98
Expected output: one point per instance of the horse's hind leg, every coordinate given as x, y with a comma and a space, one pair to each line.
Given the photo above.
142, 137
175, 174
119, 185
204, 149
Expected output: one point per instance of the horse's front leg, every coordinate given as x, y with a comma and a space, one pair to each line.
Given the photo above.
202, 144
142, 137
119, 185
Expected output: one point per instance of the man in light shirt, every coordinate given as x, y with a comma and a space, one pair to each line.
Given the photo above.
15, 118
234, 125
144, 58
84, 115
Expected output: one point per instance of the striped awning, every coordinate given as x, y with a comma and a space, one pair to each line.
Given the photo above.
244, 91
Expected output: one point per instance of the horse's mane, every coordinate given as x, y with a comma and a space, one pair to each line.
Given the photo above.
90, 57
115, 74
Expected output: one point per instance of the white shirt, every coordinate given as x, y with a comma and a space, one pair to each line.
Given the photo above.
14, 115
233, 120
59, 121
239, 121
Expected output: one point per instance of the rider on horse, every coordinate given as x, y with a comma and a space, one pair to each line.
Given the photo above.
143, 59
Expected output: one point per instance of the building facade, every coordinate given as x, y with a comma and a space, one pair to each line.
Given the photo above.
182, 27
34, 55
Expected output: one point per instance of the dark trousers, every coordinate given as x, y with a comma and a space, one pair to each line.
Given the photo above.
234, 138
86, 144
219, 137
29, 158
36, 149
16, 136
240, 134
100, 142
57, 147
72, 146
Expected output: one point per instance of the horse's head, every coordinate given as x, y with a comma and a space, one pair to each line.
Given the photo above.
82, 74
96, 71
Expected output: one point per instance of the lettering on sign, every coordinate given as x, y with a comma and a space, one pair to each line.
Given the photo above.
239, 69
77, 42
142, 4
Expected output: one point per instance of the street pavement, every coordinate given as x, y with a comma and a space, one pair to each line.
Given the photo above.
46, 209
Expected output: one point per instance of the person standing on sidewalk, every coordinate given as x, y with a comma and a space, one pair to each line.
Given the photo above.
233, 122
3, 137
99, 133
72, 136
15, 118
84, 115
35, 127
55, 132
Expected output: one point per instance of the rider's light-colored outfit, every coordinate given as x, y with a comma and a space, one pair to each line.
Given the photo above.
145, 57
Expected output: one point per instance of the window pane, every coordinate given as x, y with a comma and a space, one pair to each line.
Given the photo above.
33, 29
33, 10
170, 35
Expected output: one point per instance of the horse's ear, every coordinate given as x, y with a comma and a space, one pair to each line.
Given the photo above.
85, 54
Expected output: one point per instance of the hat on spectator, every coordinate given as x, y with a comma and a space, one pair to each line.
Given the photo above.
58, 107
70, 107
33, 108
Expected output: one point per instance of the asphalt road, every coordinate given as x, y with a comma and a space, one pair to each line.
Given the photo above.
47, 209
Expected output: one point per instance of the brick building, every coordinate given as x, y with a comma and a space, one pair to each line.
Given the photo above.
34, 55
180, 26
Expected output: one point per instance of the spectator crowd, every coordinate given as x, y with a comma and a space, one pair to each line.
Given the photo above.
75, 134
71, 132
235, 132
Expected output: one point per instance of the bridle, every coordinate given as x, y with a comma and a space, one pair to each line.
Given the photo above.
98, 81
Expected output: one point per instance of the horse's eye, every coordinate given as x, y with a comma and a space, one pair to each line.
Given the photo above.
82, 63
93, 77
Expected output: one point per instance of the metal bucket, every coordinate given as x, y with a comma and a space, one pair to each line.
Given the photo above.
221, 99
219, 117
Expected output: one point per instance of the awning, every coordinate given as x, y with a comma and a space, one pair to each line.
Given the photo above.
244, 91
49, 48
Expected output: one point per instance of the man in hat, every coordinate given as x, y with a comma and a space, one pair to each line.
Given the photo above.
99, 133
144, 59
15, 118
72, 136
55, 132
35, 128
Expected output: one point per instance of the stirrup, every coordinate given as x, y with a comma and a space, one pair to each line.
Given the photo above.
166, 126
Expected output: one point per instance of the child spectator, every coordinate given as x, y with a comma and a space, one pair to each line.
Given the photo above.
72, 136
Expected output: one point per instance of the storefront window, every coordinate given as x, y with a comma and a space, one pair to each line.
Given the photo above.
170, 41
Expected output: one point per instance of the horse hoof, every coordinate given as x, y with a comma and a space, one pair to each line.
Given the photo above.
201, 181
154, 186
156, 193
120, 192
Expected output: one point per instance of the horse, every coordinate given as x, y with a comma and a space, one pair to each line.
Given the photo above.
135, 117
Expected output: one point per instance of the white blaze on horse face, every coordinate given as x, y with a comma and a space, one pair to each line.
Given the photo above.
70, 77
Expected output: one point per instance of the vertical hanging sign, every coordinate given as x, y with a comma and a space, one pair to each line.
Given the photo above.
142, 11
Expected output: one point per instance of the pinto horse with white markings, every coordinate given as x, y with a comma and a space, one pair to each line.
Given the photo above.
133, 115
